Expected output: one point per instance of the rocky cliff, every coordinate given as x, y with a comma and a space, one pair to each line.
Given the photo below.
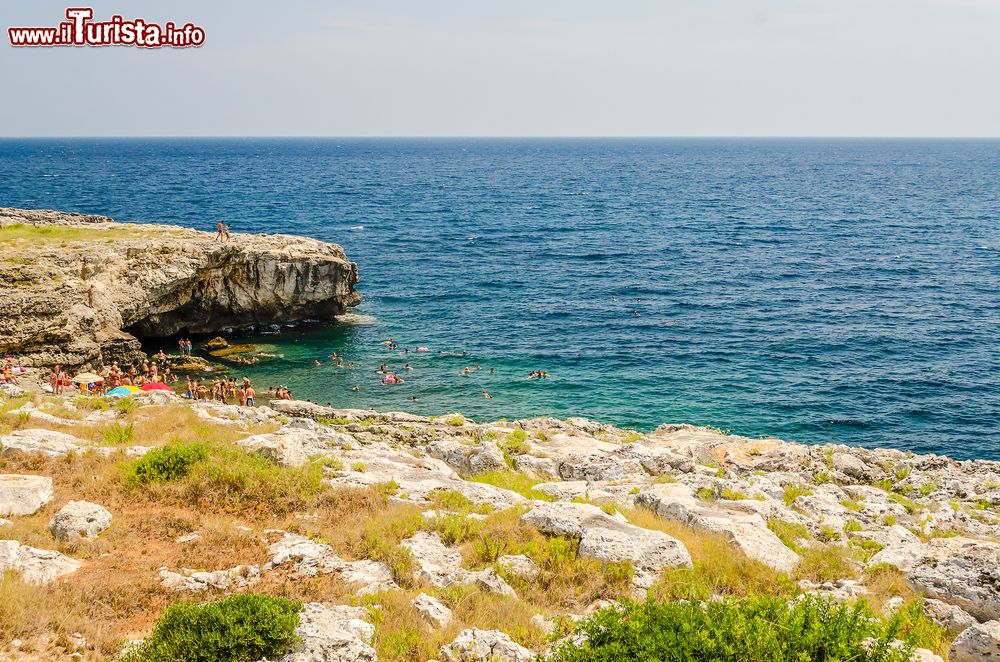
151, 280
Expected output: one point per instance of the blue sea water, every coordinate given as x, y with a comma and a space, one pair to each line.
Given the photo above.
815, 290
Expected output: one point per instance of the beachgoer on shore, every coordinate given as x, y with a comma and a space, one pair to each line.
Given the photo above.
225, 231
218, 231
90, 295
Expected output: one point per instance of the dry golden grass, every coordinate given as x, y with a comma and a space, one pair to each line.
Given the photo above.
822, 563
154, 425
719, 568
25, 235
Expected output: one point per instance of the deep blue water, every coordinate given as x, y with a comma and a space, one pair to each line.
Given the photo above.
814, 290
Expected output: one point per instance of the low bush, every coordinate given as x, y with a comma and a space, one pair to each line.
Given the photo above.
515, 444
167, 463
737, 630
243, 628
790, 533
794, 490
119, 434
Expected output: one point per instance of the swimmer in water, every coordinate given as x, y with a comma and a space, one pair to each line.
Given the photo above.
316, 362
407, 367
413, 398
466, 370
486, 394
491, 371
356, 388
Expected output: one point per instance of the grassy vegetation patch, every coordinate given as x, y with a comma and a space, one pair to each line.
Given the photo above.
790, 533
759, 628
719, 569
243, 628
167, 463
224, 478
515, 482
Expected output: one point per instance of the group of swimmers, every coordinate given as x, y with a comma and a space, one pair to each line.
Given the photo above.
338, 359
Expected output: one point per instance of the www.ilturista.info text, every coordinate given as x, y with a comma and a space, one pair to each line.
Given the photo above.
81, 30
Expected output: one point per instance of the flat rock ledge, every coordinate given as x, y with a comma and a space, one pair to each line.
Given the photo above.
36, 566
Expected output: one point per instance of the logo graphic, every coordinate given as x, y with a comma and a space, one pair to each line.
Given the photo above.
80, 30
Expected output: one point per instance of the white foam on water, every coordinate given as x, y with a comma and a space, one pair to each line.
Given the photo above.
355, 318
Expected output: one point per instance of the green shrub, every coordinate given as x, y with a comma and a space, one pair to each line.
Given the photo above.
794, 490
732, 495
243, 628
855, 506
737, 630
170, 462
515, 444
789, 533
706, 494
118, 434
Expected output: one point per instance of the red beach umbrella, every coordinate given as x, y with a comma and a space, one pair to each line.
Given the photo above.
156, 386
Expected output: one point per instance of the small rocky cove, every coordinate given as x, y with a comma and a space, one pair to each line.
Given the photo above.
621, 500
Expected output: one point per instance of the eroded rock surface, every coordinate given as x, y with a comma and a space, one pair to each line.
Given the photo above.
155, 280
79, 519
475, 645
23, 494
609, 538
36, 566
338, 633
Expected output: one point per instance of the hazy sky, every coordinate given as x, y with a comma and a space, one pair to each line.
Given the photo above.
519, 68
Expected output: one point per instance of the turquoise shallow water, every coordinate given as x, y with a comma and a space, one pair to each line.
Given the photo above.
810, 289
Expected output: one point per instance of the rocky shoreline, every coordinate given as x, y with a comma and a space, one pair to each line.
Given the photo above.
80, 290
623, 499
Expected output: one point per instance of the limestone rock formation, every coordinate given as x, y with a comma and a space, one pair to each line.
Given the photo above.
57, 444
239, 577
153, 281
332, 633
36, 566
23, 495
79, 519
979, 643
606, 538
432, 610
475, 645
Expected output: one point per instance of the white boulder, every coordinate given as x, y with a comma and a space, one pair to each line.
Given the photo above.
23, 495
979, 643
36, 566
79, 519
475, 645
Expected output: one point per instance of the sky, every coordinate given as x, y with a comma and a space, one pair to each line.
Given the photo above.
518, 68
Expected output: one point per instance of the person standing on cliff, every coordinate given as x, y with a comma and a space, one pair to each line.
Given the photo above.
90, 295
218, 231
225, 232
